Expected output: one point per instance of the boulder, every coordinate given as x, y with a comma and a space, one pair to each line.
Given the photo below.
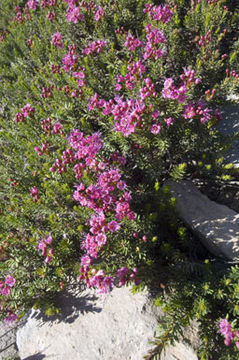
8, 349
216, 225
118, 326
229, 125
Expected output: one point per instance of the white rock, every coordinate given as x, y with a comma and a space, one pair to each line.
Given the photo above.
118, 326
216, 225
179, 351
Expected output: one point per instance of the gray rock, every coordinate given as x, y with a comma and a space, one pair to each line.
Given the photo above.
216, 225
118, 326
179, 351
229, 126
8, 349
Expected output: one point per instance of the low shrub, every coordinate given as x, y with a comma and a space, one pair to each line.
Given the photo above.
101, 102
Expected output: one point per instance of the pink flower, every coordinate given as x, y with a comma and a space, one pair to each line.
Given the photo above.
56, 40
85, 260
155, 129
48, 240
51, 15
113, 226
99, 14
5, 291
19, 117
169, 121
32, 4
224, 326
101, 239
10, 280
29, 42
11, 317
27, 110
34, 191
49, 256
73, 14
42, 247
132, 43
228, 339
168, 83
95, 47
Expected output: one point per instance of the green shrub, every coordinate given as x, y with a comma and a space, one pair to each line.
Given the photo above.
100, 104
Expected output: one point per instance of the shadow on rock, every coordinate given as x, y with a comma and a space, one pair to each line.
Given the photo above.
37, 356
71, 306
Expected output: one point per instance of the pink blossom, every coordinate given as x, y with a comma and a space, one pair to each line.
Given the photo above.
132, 43
113, 226
85, 260
48, 239
95, 47
27, 110
169, 121
11, 317
49, 256
34, 191
5, 291
10, 280
32, 4
159, 13
51, 15
19, 117
73, 14
99, 14
42, 247
155, 129
56, 40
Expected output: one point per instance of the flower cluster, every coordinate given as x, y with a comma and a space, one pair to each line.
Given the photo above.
56, 40
73, 13
45, 250
32, 4
135, 71
230, 335
46, 92
25, 112
108, 198
170, 91
48, 3
232, 73
200, 109
34, 194
48, 128
18, 15
94, 47
132, 43
206, 39
124, 275
70, 59
154, 38
41, 150
159, 13
188, 77
11, 317
7, 284
99, 13
127, 115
